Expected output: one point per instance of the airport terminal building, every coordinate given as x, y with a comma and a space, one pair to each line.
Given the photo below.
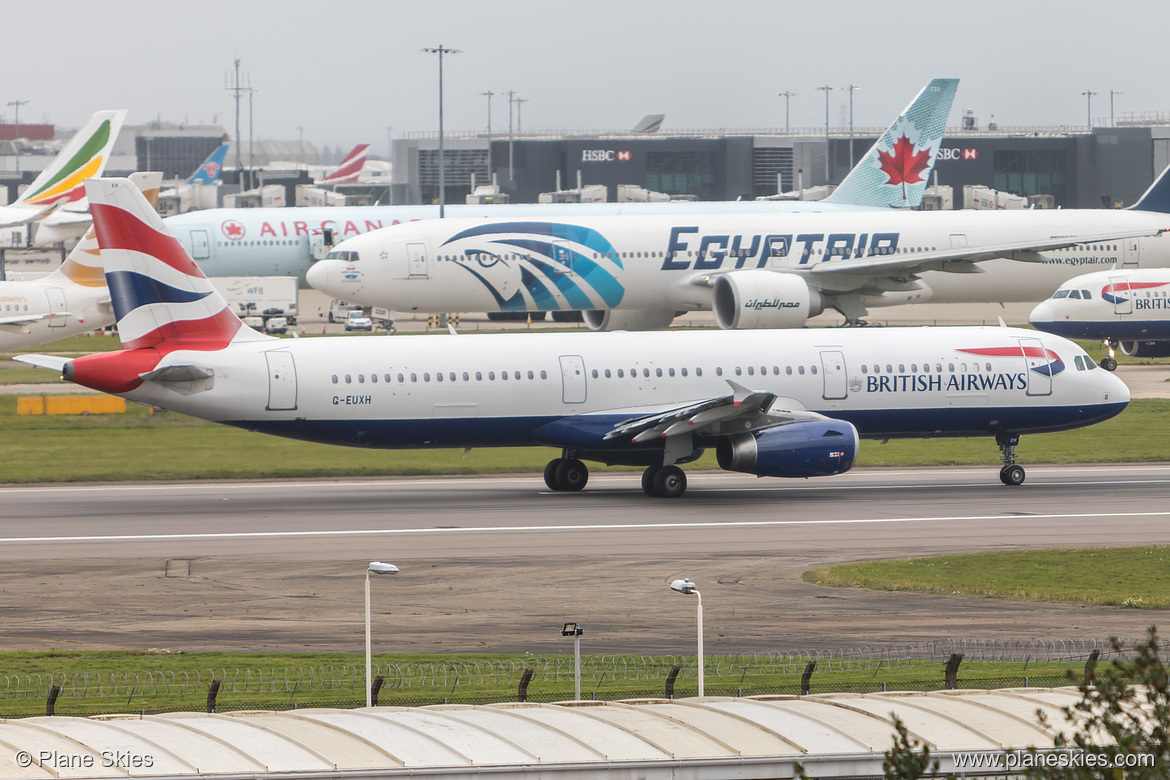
1078, 168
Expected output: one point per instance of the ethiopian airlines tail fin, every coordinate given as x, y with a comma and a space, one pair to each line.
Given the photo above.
161, 299
62, 182
208, 172
895, 170
83, 265
350, 167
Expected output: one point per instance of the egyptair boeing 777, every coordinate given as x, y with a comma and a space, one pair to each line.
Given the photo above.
778, 404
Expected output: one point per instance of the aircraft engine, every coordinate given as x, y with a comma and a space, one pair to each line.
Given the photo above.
807, 449
1146, 348
629, 319
764, 299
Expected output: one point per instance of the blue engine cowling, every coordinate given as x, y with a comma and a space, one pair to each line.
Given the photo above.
808, 449
1146, 348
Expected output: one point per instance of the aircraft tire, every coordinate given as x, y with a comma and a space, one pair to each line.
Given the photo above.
648, 481
670, 482
571, 475
1108, 363
550, 473
1012, 475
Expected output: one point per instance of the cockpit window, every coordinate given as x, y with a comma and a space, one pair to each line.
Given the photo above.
1088, 296
1060, 294
1074, 295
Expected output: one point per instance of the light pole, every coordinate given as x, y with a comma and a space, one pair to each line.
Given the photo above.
826, 89
489, 94
520, 115
1088, 93
575, 631
376, 567
441, 50
787, 97
1112, 94
686, 587
851, 88
16, 135
511, 170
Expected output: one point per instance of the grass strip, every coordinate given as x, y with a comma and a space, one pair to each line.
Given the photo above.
1129, 577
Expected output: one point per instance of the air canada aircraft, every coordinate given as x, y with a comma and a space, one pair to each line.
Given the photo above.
72, 299
1127, 309
286, 241
752, 270
779, 404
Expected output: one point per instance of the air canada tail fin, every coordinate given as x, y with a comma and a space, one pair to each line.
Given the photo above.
350, 167
83, 265
208, 172
1157, 197
895, 171
162, 301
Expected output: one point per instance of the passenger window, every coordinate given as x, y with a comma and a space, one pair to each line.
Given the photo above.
988, 367
646, 373
658, 372
504, 376
533, 376
901, 368
374, 378
738, 371
719, 371
812, 369
414, 378
800, 370
864, 370
516, 375
543, 374
335, 379
594, 374
606, 373
621, 374
776, 370
913, 368
491, 376
361, 379
751, 370
387, 378
788, 370
671, 372
348, 379
683, 370
438, 376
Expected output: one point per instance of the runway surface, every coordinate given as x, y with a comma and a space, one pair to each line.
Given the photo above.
498, 563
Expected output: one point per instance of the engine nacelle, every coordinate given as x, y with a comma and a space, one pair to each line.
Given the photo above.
1146, 348
809, 449
629, 319
764, 299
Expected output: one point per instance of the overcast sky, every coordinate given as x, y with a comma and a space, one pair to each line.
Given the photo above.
348, 69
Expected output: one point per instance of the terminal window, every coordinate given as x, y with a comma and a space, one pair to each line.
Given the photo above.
682, 173
1033, 172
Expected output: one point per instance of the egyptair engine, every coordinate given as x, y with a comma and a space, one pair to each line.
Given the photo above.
764, 299
807, 449
1146, 348
629, 319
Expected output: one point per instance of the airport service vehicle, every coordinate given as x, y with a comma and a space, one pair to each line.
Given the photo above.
286, 241
72, 299
1125, 308
55, 200
779, 404
260, 296
752, 270
358, 321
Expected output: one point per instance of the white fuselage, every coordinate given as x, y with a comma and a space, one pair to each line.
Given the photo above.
658, 262
282, 241
568, 389
48, 309
1132, 304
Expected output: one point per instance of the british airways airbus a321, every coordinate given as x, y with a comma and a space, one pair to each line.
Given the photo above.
1126, 309
778, 404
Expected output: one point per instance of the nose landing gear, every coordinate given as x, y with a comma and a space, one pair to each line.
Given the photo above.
1011, 473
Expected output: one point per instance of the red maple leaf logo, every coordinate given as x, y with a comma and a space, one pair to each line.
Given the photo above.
233, 229
905, 165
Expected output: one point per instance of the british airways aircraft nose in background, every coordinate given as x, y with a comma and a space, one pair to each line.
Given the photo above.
776, 403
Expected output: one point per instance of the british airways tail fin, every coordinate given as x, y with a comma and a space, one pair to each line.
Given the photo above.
208, 172
350, 167
1157, 197
162, 301
895, 170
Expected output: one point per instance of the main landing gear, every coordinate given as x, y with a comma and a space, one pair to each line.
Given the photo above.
1109, 362
566, 474
664, 481
1011, 473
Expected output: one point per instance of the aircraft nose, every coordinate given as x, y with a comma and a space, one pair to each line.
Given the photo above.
318, 275
1041, 314
1120, 392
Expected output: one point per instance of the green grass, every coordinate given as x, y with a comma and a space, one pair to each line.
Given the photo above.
141, 445
1130, 577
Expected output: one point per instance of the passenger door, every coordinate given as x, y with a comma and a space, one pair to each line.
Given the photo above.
1122, 295
1038, 367
282, 381
833, 368
416, 260
58, 311
573, 379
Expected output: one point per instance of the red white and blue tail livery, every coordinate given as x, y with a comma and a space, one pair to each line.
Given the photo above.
770, 403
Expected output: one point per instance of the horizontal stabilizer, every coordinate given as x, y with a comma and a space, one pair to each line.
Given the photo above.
184, 373
23, 319
54, 362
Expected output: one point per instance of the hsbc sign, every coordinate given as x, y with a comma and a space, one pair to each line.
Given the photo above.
605, 155
954, 153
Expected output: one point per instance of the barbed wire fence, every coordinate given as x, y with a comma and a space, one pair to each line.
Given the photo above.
854, 669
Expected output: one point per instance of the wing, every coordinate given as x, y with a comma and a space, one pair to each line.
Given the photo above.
743, 410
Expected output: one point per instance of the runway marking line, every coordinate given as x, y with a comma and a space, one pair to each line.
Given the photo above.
547, 528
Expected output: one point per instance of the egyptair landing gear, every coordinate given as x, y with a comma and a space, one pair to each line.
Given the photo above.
1011, 473
566, 474
664, 481
1109, 362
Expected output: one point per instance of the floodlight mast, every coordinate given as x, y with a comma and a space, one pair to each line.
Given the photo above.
575, 631
686, 587
376, 567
